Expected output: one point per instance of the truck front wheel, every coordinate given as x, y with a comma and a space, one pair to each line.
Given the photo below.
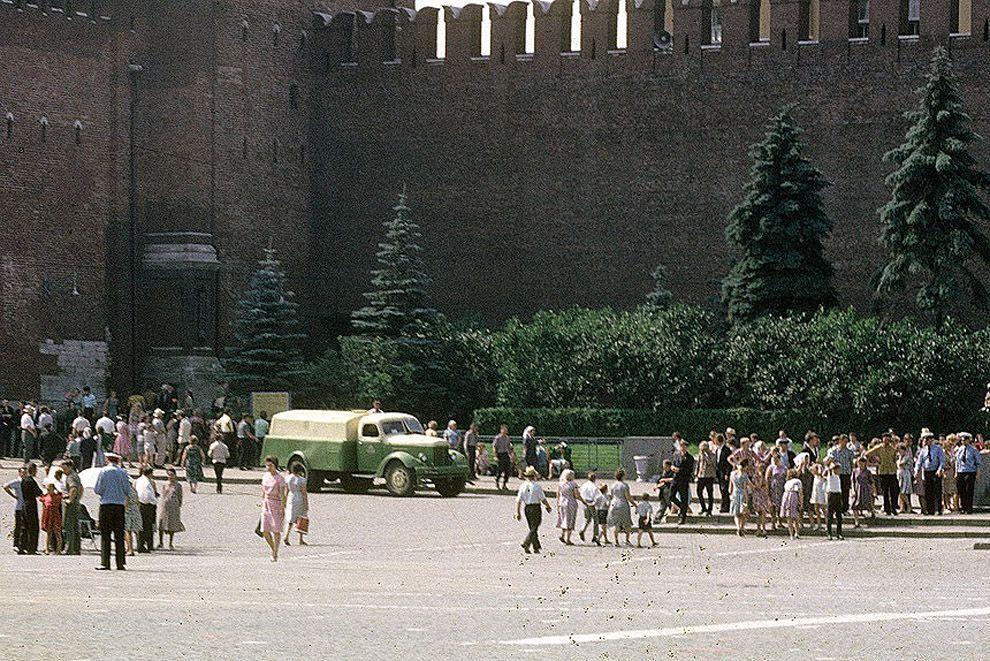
450, 488
400, 480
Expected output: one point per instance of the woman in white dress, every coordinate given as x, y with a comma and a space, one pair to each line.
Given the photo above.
297, 506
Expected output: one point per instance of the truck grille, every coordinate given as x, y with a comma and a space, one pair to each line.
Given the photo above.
441, 457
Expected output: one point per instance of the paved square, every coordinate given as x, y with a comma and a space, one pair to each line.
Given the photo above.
427, 577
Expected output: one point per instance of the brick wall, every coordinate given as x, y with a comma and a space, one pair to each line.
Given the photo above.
60, 186
551, 180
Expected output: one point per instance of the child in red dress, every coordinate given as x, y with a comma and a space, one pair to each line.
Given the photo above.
51, 519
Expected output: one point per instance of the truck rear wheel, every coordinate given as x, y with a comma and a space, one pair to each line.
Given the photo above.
450, 488
352, 484
400, 480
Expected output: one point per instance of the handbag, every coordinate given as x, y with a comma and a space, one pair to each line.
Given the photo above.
302, 524
257, 529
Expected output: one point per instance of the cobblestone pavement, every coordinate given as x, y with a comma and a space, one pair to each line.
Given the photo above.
428, 577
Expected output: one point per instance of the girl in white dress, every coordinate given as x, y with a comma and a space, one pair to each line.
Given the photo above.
297, 506
819, 499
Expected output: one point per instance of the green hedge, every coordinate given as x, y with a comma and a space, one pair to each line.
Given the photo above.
693, 424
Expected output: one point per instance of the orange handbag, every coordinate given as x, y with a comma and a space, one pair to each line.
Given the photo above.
302, 524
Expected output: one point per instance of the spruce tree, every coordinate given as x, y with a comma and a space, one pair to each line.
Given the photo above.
930, 227
660, 297
265, 354
778, 231
398, 304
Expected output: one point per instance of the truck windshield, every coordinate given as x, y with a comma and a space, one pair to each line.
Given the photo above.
408, 425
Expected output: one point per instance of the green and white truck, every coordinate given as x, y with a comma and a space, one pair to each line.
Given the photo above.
360, 448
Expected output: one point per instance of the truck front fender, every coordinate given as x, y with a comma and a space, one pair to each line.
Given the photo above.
407, 460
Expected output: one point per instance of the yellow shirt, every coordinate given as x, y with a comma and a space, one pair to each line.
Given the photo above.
887, 454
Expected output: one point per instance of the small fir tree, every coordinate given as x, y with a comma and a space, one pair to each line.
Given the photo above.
265, 352
930, 227
660, 297
778, 230
398, 305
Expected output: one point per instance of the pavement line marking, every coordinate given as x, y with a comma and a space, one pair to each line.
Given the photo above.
751, 625
178, 600
254, 642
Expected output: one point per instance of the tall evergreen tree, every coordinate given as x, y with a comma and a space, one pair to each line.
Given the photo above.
660, 297
265, 353
930, 227
398, 305
778, 230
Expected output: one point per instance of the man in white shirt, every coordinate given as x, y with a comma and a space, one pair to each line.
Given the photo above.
376, 407
219, 453
148, 502
528, 498
185, 430
29, 434
589, 491
79, 424
105, 425
13, 489
45, 418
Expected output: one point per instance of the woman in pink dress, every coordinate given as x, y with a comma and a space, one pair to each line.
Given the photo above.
122, 444
273, 496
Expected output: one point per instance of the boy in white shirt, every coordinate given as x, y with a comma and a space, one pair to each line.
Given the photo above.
601, 511
219, 453
644, 510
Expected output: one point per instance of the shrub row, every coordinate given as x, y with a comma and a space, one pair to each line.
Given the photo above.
837, 369
693, 424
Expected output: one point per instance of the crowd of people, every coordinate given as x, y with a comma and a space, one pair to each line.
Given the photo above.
780, 486
55, 445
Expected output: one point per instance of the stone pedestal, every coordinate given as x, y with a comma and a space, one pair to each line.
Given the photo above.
981, 496
201, 374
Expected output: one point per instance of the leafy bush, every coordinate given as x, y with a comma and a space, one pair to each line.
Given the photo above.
694, 424
643, 358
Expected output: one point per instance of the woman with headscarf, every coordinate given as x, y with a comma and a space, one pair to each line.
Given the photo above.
620, 507
529, 445
567, 505
122, 442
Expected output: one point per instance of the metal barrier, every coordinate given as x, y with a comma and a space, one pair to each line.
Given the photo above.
587, 454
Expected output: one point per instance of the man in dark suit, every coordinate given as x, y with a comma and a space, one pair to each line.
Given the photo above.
722, 471
683, 472
812, 445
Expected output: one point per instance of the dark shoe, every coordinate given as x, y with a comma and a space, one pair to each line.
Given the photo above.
525, 548
581, 535
841, 537
121, 568
102, 568
536, 550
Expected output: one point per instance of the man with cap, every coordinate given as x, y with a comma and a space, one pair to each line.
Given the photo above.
528, 500
29, 433
113, 487
967, 462
931, 463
